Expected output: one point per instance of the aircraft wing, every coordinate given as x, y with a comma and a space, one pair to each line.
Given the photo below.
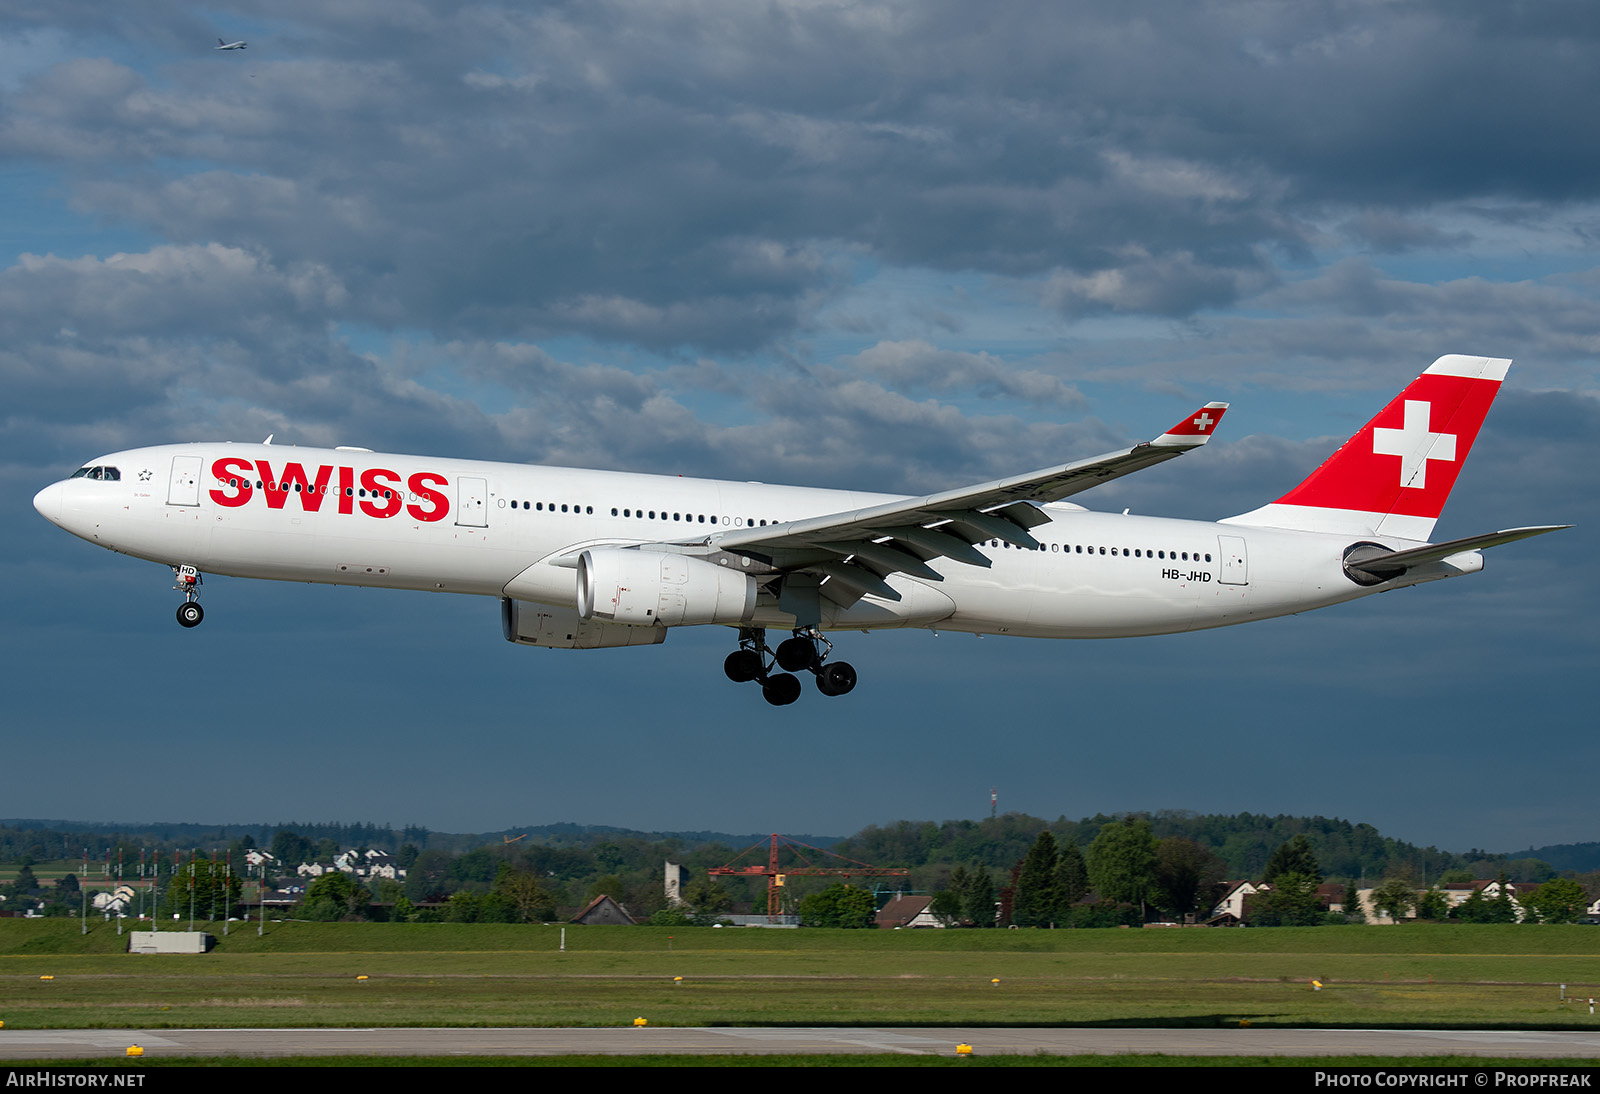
854, 551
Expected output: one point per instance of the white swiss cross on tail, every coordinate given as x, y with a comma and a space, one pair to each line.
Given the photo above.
1415, 445
1430, 426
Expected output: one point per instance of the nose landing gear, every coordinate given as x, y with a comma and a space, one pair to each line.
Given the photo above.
189, 612
807, 651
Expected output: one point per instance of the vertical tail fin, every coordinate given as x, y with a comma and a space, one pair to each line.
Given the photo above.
1393, 477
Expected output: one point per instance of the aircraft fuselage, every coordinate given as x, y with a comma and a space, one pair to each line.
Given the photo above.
347, 517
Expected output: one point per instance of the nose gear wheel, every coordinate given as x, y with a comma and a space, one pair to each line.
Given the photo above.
188, 583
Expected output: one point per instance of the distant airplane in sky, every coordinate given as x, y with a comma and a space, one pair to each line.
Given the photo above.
583, 559
230, 45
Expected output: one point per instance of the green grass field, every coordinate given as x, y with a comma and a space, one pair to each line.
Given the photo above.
304, 974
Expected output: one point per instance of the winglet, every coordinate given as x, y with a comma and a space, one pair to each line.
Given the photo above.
1194, 430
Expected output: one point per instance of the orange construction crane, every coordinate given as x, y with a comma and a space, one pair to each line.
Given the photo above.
776, 874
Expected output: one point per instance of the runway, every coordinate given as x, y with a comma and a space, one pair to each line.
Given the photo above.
727, 1040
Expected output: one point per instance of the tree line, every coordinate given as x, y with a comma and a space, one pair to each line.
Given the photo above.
1126, 876
1137, 866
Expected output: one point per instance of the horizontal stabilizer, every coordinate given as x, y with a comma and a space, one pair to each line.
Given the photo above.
1394, 563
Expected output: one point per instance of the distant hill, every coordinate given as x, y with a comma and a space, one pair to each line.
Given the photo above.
57, 839
1580, 858
1243, 840
586, 833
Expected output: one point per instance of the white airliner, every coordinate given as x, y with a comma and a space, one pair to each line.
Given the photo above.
584, 559
229, 45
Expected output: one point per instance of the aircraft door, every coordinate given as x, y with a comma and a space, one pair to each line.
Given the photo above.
472, 502
1235, 562
184, 486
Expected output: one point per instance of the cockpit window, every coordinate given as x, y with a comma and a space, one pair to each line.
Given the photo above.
107, 474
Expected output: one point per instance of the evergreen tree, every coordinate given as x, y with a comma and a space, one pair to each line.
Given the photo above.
946, 905
1475, 909
1433, 904
1292, 901
26, 883
1353, 912
1072, 877
291, 849
1503, 909
978, 905
1293, 857
1037, 900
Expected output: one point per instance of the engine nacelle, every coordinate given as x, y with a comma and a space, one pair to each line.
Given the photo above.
650, 588
561, 629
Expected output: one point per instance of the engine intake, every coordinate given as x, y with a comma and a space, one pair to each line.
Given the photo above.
649, 588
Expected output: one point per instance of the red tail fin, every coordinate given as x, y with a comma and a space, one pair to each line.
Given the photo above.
1394, 476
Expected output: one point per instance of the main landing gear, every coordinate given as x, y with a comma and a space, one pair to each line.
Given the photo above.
807, 651
189, 612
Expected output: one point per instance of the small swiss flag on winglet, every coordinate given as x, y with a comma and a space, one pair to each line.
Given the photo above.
1196, 428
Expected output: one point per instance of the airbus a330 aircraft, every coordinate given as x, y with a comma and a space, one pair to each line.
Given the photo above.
229, 45
585, 559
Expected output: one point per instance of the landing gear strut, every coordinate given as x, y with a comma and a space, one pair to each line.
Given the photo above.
189, 612
807, 651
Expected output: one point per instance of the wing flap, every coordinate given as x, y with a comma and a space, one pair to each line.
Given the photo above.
885, 557
855, 578
940, 542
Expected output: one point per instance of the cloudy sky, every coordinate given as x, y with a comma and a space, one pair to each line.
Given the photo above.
896, 246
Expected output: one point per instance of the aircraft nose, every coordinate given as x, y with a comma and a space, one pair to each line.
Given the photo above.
48, 502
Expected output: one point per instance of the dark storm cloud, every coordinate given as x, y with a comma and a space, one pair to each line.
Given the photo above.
123, 338
190, 291
916, 365
1353, 327
825, 425
1546, 324
674, 173
1393, 234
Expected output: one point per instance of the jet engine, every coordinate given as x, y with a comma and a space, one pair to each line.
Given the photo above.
648, 588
